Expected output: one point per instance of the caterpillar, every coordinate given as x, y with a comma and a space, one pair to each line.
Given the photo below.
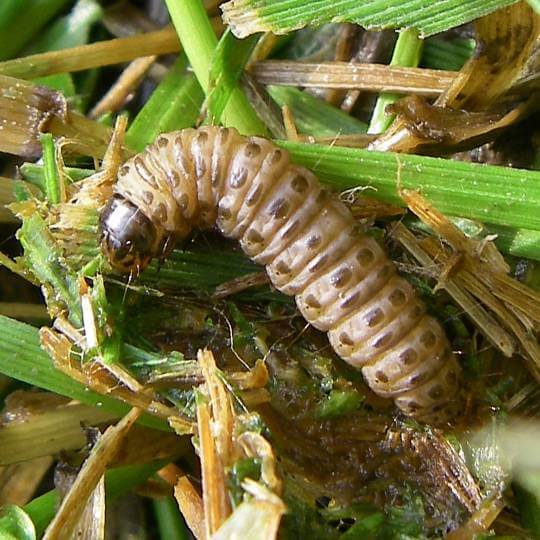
343, 282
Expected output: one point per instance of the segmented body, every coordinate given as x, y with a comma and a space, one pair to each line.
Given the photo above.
343, 282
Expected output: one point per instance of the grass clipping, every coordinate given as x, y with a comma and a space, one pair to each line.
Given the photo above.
222, 439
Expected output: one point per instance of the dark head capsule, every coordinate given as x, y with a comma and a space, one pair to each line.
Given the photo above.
129, 239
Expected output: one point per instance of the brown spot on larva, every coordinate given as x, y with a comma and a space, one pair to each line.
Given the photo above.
313, 241
238, 177
254, 196
385, 271
123, 170
290, 229
148, 197
319, 264
299, 184
397, 298
365, 256
204, 207
202, 137
254, 237
383, 340
275, 157
408, 357
375, 317
350, 301
428, 339
345, 339
435, 392
312, 302
413, 406
225, 213
322, 196
381, 376
224, 134
162, 142
183, 202
279, 208
418, 378
282, 268
174, 179
451, 377
161, 212
416, 312
340, 277
252, 149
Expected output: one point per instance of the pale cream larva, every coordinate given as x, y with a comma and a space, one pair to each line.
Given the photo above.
343, 282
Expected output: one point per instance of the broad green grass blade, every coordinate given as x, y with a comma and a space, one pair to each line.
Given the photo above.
314, 116
230, 57
71, 30
174, 104
447, 55
485, 193
199, 42
22, 358
20, 20
428, 17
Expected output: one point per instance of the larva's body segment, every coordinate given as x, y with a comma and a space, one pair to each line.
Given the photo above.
343, 282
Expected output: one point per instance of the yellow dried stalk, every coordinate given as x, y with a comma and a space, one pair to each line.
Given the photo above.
191, 506
25, 111
480, 521
239, 284
6, 197
48, 432
22, 310
91, 525
498, 72
483, 272
257, 518
96, 378
127, 82
98, 54
214, 424
372, 77
356, 140
219, 447
18, 482
481, 318
66, 519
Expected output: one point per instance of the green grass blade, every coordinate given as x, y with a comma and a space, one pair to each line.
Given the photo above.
169, 519
174, 104
314, 116
407, 53
428, 17
52, 180
22, 358
71, 30
485, 193
199, 41
230, 57
118, 482
447, 55
535, 4
20, 20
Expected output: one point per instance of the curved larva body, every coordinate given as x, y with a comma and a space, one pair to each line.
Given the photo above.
343, 282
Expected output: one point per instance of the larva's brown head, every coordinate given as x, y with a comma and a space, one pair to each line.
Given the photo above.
129, 239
